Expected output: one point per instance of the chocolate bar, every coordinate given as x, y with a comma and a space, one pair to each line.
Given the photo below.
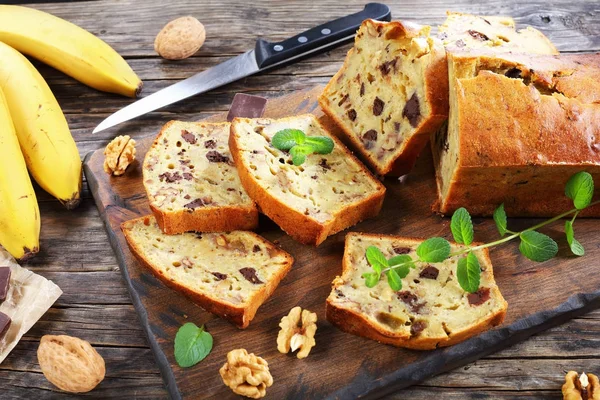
246, 106
4, 282
4, 323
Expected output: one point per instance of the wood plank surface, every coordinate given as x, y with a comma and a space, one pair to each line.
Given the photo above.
75, 251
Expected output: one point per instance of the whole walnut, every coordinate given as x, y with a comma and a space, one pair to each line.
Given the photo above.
246, 374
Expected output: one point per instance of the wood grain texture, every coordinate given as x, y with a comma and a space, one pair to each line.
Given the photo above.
538, 295
76, 241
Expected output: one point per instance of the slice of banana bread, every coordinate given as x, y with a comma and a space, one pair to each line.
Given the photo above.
466, 31
192, 183
227, 274
326, 194
431, 310
390, 95
520, 126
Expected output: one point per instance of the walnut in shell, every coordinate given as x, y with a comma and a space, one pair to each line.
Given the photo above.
246, 374
70, 363
119, 153
297, 332
584, 387
180, 38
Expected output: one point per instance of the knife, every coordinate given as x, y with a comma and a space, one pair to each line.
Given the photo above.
265, 55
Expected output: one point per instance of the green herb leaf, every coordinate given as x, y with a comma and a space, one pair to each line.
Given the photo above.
537, 246
468, 273
401, 264
574, 244
435, 249
376, 259
371, 279
500, 219
320, 144
192, 345
462, 226
394, 280
288, 138
402, 259
299, 153
580, 189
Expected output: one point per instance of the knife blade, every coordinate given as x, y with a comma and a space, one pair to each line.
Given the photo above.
264, 56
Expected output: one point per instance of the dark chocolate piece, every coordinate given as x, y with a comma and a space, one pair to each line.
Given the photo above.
479, 297
250, 275
246, 106
4, 323
4, 282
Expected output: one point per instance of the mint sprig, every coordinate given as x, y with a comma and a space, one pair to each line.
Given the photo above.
192, 345
534, 245
299, 145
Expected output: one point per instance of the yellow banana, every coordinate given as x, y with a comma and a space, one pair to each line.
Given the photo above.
19, 212
68, 48
50, 152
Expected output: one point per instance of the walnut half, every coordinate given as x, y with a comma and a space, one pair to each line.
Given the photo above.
246, 374
119, 153
584, 387
297, 332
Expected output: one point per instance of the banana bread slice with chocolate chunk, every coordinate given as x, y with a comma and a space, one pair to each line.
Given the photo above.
324, 195
390, 94
192, 183
227, 274
465, 31
430, 310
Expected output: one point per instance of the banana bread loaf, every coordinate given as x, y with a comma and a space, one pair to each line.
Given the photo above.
431, 310
227, 274
326, 194
192, 183
390, 95
466, 31
519, 127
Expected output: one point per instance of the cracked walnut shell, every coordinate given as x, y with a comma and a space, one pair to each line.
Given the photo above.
584, 387
246, 374
71, 364
298, 330
119, 153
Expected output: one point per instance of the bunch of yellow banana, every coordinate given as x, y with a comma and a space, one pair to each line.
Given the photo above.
34, 133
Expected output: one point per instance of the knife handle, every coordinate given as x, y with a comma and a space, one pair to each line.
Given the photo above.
320, 38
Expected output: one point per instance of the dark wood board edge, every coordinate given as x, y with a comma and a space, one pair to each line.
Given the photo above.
440, 361
161, 359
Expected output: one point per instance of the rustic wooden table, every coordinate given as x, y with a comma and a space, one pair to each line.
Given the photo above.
75, 252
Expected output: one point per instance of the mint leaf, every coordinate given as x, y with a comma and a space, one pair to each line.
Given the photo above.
537, 246
394, 280
288, 138
192, 345
580, 189
404, 259
376, 259
299, 153
574, 244
462, 226
435, 249
371, 279
500, 219
320, 144
468, 273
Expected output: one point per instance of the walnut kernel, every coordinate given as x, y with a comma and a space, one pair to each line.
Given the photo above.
246, 374
584, 387
297, 332
119, 153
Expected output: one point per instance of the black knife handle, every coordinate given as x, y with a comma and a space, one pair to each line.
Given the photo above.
320, 38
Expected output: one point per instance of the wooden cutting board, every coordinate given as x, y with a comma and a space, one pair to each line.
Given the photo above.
540, 295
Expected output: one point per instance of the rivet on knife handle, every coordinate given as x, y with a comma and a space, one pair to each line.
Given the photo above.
320, 38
